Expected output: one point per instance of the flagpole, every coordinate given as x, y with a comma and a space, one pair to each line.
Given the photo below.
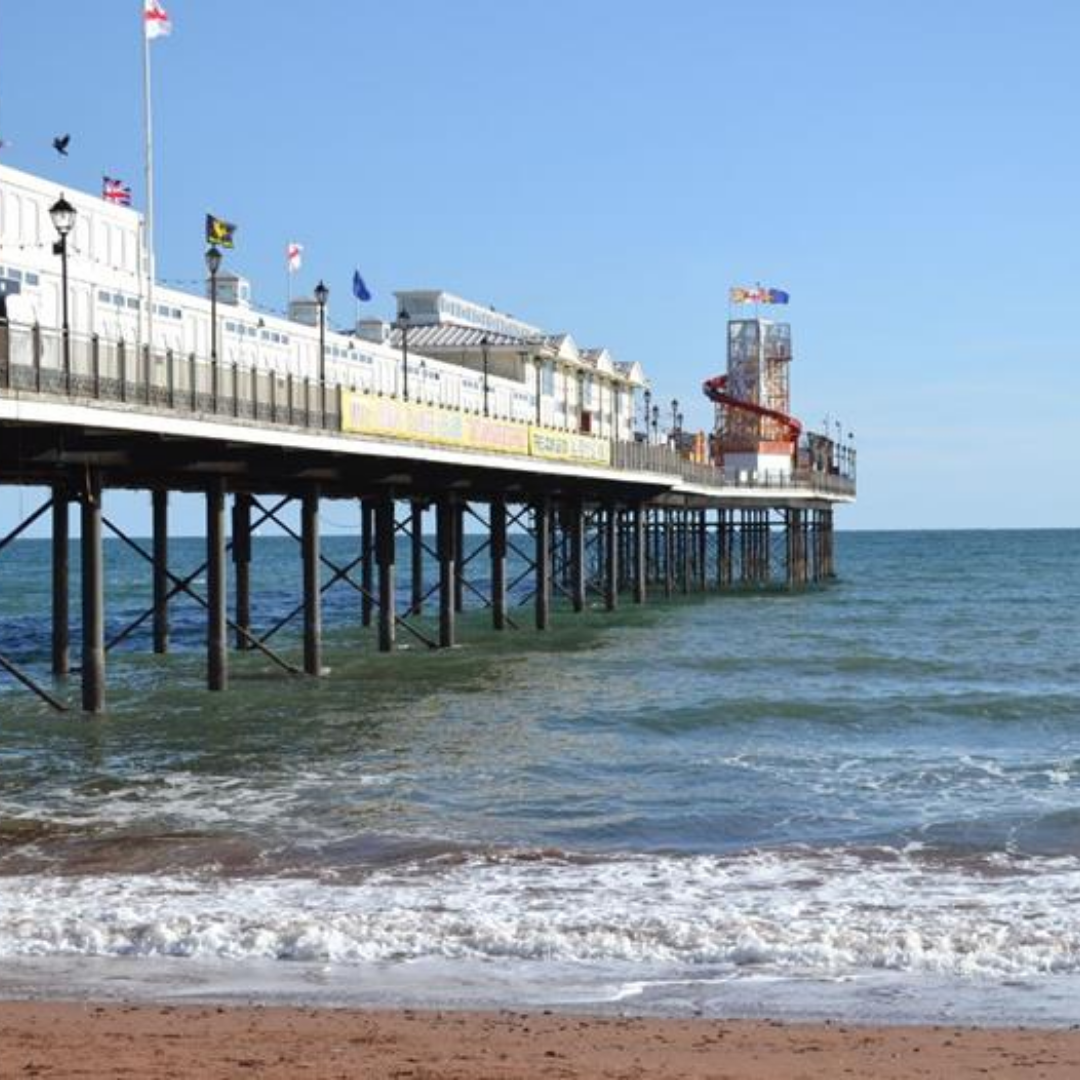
148, 227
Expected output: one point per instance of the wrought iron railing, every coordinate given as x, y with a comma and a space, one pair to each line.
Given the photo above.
34, 360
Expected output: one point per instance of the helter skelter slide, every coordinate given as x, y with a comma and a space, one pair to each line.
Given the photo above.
755, 430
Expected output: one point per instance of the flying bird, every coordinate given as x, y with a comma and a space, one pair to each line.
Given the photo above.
60, 144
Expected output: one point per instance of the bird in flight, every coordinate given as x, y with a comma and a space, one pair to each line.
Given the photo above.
60, 144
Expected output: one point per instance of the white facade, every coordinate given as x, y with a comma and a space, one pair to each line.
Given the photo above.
107, 298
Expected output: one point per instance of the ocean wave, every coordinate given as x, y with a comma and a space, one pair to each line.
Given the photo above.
796, 913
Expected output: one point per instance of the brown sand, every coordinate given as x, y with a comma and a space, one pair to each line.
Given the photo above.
151, 1041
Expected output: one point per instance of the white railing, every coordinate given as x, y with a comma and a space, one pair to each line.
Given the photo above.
34, 360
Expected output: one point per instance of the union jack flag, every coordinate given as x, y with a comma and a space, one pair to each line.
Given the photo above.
115, 191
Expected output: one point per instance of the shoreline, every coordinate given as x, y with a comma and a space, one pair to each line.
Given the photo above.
88, 1039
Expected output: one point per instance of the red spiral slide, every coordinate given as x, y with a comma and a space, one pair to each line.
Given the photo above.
716, 391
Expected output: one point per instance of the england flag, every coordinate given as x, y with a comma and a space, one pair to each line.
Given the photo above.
292, 257
156, 20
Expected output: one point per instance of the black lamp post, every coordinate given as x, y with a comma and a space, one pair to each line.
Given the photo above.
423, 382
322, 294
63, 219
486, 362
674, 414
648, 411
581, 400
213, 265
656, 422
403, 326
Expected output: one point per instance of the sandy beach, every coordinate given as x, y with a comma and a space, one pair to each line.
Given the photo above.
209, 1041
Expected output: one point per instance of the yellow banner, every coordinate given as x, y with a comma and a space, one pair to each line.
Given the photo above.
569, 446
363, 414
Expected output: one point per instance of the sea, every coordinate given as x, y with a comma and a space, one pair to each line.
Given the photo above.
859, 801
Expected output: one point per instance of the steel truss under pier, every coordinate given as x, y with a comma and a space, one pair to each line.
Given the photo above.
572, 555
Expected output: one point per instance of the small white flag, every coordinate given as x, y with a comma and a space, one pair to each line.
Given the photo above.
156, 20
292, 257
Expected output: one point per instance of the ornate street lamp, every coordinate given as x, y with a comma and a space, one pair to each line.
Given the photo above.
674, 414
322, 294
403, 326
656, 422
648, 411
213, 265
63, 219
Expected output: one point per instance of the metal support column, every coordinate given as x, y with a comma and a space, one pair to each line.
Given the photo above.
217, 670
93, 597
669, 553
497, 525
61, 629
639, 553
459, 561
385, 557
367, 547
611, 557
241, 554
416, 553
577, 555
542, 531
446, 534
159, 501
309, 540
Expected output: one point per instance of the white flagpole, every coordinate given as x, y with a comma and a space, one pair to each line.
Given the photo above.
148, 227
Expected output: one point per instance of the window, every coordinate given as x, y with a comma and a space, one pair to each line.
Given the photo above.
32, 279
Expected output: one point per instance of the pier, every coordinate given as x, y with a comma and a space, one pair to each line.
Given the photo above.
596, 520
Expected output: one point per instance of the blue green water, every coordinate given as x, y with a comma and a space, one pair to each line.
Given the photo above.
862, 799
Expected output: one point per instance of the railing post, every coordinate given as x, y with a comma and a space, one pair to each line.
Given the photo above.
35, 349
121, 368
95, 364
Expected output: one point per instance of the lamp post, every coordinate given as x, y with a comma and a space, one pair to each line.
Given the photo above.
322, 294
674, 414
423, 382
539, 391
403, 326
581, 400
213, 265
63, 219
486, 361
656, 423
648, 411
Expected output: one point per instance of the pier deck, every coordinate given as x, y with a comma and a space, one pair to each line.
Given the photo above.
85, 415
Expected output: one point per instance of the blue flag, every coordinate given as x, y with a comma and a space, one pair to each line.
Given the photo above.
360, 290
776, 296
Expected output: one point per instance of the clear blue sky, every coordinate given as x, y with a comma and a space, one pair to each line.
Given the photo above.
908, 171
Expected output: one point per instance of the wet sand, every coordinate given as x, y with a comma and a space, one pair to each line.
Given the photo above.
50, 1039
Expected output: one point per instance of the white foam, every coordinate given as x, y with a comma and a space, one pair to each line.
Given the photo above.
809, 914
